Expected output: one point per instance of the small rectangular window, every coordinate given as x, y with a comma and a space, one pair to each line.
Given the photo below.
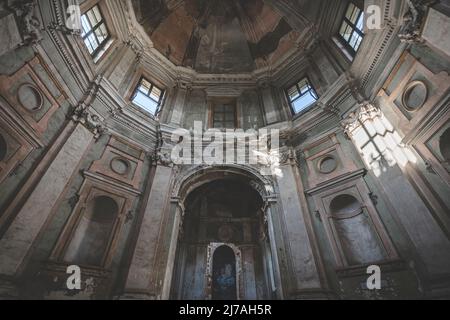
95, 32
148, 96
224, 115
351, 32
301, 95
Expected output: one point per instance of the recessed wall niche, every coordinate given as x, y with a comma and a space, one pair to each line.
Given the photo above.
415, 95
30, 97
355, 231
120, 166
3, 148
15, 143
327, 164
357, 237
120, 161
92, 236
444, 145
91, 233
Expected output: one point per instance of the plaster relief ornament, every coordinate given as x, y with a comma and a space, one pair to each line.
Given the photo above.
84, 115
365, 111
413, 20
29, 25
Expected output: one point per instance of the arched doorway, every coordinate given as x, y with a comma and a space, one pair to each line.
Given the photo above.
223, 251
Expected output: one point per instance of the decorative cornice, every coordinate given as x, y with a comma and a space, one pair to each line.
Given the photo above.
336, 181
111, 182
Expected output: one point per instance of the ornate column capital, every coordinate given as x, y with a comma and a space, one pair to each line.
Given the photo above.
83, 114
288, 156
364, 111
163, 150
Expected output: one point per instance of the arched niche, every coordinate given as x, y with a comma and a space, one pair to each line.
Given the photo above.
358, 238
223, 206
91, 238
224, 272
3, 148
444, 145
199, 175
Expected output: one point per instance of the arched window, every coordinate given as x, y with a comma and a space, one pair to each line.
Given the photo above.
3, 148
224, 274
92, 236
358, 239
444, 145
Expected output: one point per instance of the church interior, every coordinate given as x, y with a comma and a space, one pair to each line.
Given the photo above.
350, 201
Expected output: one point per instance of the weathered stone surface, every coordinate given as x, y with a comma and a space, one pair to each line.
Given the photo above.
436, 31
9, 34
306, 275
20, 236
142, 265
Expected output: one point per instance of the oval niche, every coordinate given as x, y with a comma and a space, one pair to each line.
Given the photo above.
415, 95
120, 166
30, 97
327, 164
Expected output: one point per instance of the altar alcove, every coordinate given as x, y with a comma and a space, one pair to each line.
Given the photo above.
224, 284
223, 253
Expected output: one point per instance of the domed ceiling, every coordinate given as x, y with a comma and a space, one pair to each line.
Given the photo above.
216, 36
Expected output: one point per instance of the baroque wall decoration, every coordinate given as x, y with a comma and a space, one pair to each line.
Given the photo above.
120, 166
30, 97
27, 90
360, 178
415, 95
413, 89
327, 164
349, 216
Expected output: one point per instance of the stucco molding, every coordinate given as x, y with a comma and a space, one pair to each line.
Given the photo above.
366, 110
413, 20
84, 114
196, 176
29, 24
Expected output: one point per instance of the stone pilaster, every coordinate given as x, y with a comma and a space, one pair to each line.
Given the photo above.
393, 177
141, 274
178, 107
24, 229
299, 240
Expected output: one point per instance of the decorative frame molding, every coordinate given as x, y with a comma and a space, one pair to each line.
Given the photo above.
212, 247
7, 83
353, 185
133, 155
325, 147
90, 189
